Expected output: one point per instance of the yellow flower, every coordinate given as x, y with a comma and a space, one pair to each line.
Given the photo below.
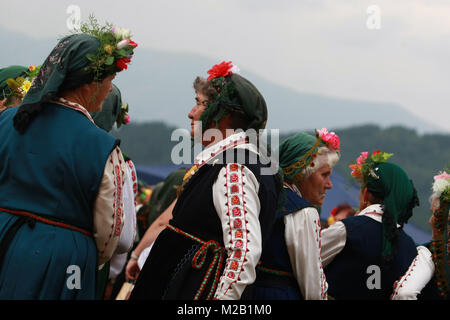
12, 83
108, 48
32, 68
26, 86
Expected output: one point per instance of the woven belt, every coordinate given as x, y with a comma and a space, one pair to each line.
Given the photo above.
199, 259
47, 221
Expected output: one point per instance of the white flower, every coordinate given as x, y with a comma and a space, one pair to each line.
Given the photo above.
121, 33
235, 69
440, 185
123, 43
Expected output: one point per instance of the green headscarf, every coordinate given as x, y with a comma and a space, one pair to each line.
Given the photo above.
7, 73
390, 182
166, 193
236, 94
106, 118
296, 153
64, 65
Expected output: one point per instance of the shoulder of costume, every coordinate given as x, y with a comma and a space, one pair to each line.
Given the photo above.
293, 203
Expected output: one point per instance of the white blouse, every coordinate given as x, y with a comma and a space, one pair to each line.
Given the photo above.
303, 242
235, 198
416, 277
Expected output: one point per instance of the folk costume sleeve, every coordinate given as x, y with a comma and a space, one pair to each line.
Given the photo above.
303, 241
128, 233
333, 241
235, 197
416, 277
108, 207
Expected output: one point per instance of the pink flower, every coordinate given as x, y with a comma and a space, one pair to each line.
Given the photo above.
330, 138
123, 43
443, 175
362, 157
126, 119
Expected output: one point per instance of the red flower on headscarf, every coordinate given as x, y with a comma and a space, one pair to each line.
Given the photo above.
122, 63
132, 43
220, 70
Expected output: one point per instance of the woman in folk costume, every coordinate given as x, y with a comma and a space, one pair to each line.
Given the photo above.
363, 255
15, 81
227, 204
290, 266
61, 176
114, 111
428, 275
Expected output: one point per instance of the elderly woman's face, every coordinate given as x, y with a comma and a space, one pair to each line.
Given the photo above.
100, 91
201, 102
314, 187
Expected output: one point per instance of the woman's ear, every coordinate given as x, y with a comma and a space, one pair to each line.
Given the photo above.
363, 198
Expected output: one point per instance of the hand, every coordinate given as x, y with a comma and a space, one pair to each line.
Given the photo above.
132, 270
2, 105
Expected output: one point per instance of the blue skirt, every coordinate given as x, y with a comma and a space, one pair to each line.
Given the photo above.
47, 262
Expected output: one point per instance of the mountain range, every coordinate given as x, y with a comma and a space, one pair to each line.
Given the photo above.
158, 87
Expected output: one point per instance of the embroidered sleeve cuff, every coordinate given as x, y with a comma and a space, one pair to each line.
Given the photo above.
237, 204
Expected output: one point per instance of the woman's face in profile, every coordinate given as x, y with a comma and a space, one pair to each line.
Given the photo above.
99, 92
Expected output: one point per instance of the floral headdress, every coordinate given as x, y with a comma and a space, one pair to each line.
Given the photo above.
19, 86
115, 50
441, 186
123, 117
323, 138
225, 90
439, 247
364, 164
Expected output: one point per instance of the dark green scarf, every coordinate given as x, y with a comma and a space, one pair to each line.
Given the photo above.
7, 73
239, 95
300, 146
389, 182
64, 66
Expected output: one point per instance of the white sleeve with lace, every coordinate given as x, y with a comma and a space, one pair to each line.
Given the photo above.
108, 207
333, 241
303, 241
416, 277
128, 233
235, 197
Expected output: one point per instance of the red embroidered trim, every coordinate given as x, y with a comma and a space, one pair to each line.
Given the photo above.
74, 106
200, 258
47, 221
117, 200
237, 221
398, 285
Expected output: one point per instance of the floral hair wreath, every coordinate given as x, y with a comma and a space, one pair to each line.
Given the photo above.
329, 139
19, 87
439, 245
115, 50
225, 92
441, 186
123, 117
364, 164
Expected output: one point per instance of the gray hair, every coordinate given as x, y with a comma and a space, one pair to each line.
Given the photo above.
325, 156
205, 87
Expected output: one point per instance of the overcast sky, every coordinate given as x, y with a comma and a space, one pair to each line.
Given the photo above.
381, 50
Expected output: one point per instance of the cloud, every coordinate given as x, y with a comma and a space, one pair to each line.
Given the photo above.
311, 46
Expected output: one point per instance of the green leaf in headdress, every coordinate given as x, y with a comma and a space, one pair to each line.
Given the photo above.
109, 61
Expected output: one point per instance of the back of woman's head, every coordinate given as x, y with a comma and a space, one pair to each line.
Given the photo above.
82, 58
63, 70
